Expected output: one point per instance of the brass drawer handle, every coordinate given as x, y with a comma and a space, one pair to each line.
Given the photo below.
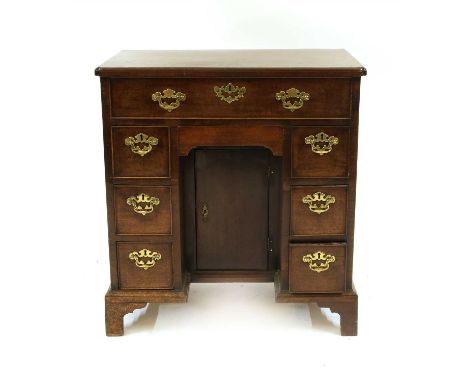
141, 144
169, 94
318, 202
321, 143
143, 204
292, 98
318, 261
229, 92
145, 258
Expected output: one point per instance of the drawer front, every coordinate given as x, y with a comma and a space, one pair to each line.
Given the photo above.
318, 211
317, 268
231, 98
145, 265
140, 151
319, 152
143, 210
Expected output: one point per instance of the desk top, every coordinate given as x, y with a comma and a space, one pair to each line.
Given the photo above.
207, 63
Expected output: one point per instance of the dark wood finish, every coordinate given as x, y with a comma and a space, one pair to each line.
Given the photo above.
328, 98
176, 216
151, 296
307, 164
348, 311
307, 223
254, 123
274, 212
345, 304
214, 136
105, 101
154, 164
303, 279
115, 311
353, 144
233, 185
157, 277
189, 209
285, 217
119, 302
232, 276
190, 231
235, 63
158, 222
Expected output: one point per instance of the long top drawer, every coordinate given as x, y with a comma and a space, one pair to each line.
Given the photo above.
276, 98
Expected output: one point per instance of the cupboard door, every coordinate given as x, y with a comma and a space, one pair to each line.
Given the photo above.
232, 209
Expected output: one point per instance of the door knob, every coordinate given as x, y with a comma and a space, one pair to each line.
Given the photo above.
204, 212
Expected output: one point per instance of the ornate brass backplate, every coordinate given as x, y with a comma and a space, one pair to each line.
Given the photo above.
141, 144
292, 98
318, 202
169, 99
321, 143
318, 261
143, 204
145, 258
230, 92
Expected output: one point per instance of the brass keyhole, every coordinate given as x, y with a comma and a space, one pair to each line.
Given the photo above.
204, 212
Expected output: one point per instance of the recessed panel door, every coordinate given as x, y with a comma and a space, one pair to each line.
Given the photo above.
232, 209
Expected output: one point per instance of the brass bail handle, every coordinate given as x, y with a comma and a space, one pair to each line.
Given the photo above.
204, 213
169, 99
292, 99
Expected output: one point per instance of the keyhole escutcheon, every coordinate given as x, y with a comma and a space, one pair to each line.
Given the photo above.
204, 212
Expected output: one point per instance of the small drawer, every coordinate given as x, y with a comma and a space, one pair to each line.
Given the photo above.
145, 265
317, 268
140, 151
318, 210
319, 152
284, 98
143, 210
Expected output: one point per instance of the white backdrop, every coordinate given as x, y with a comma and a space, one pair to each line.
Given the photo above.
410, 254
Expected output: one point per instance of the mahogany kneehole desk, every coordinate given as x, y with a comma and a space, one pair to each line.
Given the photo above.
231, 166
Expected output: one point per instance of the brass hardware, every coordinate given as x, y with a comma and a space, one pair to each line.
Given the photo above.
204, 212
169, 94
141, 144
318, 202
321, 143
143, 204
318, 261
270, 172
229, 92
292, 98
145, 258
269, 245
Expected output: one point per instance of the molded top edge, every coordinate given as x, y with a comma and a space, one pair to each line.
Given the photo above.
327, 62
